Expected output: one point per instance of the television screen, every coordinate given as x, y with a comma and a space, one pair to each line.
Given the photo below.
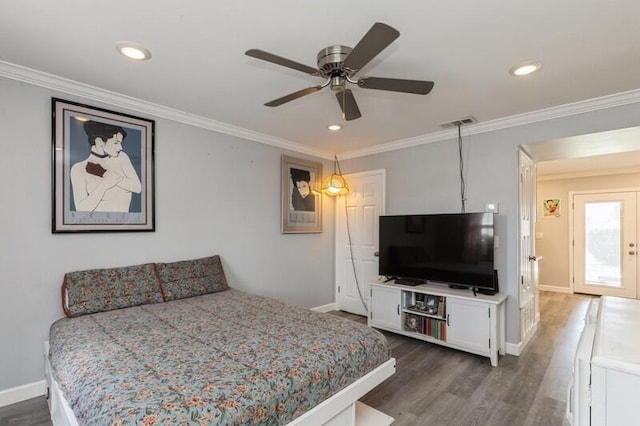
449, 248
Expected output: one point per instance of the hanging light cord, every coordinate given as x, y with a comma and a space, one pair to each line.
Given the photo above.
353, 262
462, 184
336, 163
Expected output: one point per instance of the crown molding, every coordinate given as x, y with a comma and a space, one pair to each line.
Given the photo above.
71, 87
53, 82
580, 107
589, 173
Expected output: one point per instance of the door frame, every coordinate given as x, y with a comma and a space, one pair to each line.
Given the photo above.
572, 227
340, 217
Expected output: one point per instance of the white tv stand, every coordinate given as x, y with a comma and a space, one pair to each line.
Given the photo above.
446, 316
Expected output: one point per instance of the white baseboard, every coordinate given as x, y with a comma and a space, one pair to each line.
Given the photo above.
325, 308
513, 349
517, 348
22, 393
555, 289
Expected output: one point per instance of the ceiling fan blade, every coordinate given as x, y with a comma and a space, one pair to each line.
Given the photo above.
348, 105
417, 87
374, 41
293, 96
279, 60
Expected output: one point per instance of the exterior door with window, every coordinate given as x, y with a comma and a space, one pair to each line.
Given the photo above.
605, 244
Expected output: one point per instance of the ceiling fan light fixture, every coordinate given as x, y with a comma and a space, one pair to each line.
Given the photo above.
525, 69
133, 51
338, 65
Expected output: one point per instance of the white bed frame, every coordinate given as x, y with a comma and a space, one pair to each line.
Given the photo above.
342, 409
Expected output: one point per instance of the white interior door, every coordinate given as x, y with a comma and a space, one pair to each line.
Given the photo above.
605, 244
356, 257
528, 262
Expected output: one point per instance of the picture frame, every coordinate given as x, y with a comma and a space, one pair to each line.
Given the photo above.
103, 170
432, 304
551, 208
301, 199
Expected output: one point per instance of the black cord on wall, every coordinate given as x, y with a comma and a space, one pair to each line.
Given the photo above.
462, 184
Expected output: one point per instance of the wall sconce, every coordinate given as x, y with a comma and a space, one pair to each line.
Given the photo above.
335, 184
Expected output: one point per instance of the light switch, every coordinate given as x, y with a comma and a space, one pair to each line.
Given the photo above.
539, 236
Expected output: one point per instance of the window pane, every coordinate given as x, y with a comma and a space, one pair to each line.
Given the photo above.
603, 229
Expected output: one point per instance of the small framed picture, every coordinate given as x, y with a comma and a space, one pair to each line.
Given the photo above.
301, 200
432, 304
551, 208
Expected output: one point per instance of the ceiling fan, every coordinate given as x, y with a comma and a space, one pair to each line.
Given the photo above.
338, 64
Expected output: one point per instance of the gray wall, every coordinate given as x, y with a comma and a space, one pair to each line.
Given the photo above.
215, 194
220, 194
425, 179
554, 244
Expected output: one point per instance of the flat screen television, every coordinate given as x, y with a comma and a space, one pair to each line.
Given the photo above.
456, 249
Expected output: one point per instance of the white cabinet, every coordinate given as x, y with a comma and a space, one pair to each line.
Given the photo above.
606, 370
468, 325
384, 307
438, 314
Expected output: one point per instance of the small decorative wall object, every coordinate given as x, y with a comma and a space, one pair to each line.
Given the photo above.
551, 207
301, 201
103, 167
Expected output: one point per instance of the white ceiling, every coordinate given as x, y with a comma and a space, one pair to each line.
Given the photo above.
589, 49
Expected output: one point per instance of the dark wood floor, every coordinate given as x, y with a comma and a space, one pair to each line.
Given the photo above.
434, 385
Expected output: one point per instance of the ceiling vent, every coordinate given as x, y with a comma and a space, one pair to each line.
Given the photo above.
461, 122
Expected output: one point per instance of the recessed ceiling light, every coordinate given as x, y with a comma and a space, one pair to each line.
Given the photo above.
525, 69
334, 127
133, 51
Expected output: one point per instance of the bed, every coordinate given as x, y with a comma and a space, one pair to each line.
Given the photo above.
198, 356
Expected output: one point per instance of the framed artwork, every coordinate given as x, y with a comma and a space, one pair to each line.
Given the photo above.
301, 202
103, 170
432, 304
551, 207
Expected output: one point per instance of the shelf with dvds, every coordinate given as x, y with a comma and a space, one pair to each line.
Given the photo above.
427, 326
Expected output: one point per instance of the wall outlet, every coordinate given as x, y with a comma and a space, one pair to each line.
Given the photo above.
492, 208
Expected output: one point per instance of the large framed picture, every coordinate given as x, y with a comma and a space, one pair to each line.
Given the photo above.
103, 170
301, 199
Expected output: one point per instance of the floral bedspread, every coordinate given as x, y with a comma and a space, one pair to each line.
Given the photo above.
223, 358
